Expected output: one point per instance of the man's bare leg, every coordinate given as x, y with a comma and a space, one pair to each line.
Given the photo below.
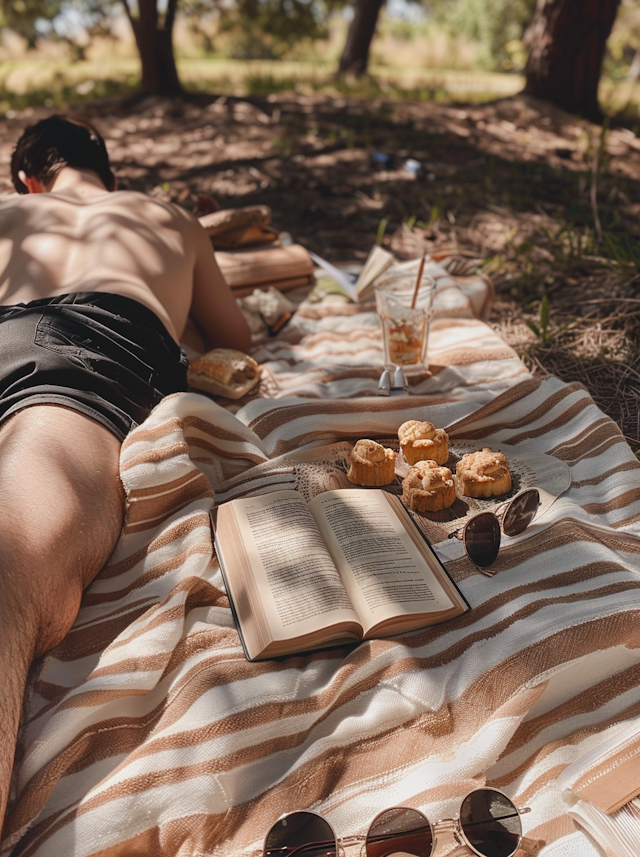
61, 510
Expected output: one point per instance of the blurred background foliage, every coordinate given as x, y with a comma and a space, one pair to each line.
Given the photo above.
495, 27
53, 51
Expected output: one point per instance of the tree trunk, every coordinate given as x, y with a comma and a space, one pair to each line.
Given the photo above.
566, 41
154, 40
355, 56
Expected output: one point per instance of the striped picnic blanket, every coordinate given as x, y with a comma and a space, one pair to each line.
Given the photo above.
147, 732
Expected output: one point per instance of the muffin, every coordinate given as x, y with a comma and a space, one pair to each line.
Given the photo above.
483, 474
422, 441
370, 463
428, 487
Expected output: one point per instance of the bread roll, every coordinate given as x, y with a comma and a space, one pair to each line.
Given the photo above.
224, 372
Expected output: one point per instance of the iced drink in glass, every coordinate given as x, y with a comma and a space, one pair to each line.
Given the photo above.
405, 329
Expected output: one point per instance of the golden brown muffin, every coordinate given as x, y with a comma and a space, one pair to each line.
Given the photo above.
483, 474
422, 441
371, 464
428, 487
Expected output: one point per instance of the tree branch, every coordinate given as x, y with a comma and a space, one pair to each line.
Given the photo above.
170, 15
127, 9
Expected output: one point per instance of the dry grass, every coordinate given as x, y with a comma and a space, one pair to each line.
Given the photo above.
601, 352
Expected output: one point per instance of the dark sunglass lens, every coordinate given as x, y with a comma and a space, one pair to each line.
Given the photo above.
482, 538
490, 823
303, 834
400, 831
520, 512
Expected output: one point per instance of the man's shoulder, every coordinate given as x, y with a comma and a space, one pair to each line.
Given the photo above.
8, 199
125, 205
10, 204
134, 200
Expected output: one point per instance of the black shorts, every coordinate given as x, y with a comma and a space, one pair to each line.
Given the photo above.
104, 355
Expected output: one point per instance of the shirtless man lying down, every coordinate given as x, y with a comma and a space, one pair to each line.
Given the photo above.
96, 286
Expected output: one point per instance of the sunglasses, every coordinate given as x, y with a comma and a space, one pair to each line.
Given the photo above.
481, 534
488, 823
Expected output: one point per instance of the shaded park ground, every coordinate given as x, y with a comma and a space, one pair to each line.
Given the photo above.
544, 203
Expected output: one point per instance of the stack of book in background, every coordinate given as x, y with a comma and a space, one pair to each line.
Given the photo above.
250, 253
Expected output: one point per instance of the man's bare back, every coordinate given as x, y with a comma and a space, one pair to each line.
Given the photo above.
79, 237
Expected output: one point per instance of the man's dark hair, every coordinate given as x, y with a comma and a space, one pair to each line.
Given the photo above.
57, 142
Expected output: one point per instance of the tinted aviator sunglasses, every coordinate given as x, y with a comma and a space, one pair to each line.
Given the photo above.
481, 534
488, 823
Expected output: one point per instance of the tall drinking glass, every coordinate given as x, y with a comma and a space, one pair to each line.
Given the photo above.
405, 328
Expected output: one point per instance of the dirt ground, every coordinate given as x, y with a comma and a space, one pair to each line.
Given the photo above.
545, 203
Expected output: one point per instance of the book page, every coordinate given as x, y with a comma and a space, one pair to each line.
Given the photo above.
383, 570
295, 576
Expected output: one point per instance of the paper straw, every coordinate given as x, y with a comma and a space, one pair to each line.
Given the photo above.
418, 281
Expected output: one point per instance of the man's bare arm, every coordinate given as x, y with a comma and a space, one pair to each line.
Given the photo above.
213, 307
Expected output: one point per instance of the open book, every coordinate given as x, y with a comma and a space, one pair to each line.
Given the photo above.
377, 263
349, 565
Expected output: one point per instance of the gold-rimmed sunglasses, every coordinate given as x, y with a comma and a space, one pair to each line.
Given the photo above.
488, 823
481, 534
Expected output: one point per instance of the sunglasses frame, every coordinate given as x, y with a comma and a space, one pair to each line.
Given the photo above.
432, 828
460, 835
453, 824
499, 514
271, 851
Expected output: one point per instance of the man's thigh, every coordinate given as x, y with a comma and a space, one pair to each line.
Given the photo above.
61, 509
61, 502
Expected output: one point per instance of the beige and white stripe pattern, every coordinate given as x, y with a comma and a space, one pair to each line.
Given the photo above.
148, 733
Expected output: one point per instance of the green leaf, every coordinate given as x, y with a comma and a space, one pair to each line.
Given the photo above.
544, 312
382, 226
